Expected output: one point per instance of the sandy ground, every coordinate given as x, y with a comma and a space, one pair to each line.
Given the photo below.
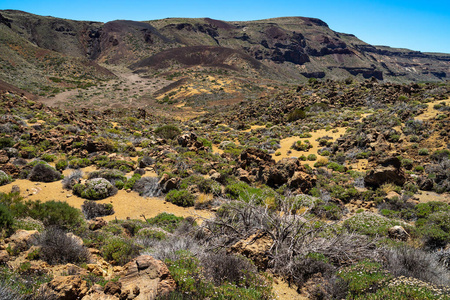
426, 196
430, 112
126, 205
288, 142
284, 292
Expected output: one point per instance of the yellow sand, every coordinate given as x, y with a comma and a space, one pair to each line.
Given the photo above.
126, 205
431, 113
288, 142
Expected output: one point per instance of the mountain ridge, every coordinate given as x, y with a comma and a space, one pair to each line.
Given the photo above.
290, 48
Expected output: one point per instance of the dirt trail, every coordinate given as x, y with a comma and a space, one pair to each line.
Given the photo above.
127, 89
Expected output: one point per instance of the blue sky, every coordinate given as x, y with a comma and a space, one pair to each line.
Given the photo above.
417, 25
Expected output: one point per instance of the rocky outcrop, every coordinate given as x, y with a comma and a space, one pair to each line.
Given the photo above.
190, 140
145, 278
387, 171
67, 287
257, 165
22, 240
398, 233
256, 247
167, 184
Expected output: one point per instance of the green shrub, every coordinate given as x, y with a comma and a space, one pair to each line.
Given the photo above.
119, 251
336, 167
435, 230
423, 151
300, 146
130, 182
6, 142
196, 281
371, 224
296, 114
364, 277
119, 184
110, 175
168, 222
95, 189
48, 157
151, 234
181, 198
55, 213
311, 157
77, 163
405, 290
61, 164
167, 131
6, 219
4, 178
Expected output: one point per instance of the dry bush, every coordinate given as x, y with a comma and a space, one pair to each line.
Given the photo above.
294, 236
44, 173
57, 247
411, 262
221, 267
93, 210
6, 293
69, 181
148, 187
169, 248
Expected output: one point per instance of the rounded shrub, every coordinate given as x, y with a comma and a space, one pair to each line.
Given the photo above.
93, 210
181, 198
167, 131
43, 172
58, 247
4, 178
95, 189
55, 213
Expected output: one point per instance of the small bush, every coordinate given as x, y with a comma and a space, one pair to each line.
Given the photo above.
411, 262
61, 165
6, 142
6, 219
95, 189
48, 157
181, 198
77, 163
296, 114
364, 277
119, 251
110, 175
44, 173
167, 131
131, 182
436, 230
311, 157
423, 151
93, 210
148, 187
57, 247
168, 222
74, 178
54, 213
222, 267
371, 224
4, 178
300, 146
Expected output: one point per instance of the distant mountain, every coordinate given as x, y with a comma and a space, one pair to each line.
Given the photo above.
292, 48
